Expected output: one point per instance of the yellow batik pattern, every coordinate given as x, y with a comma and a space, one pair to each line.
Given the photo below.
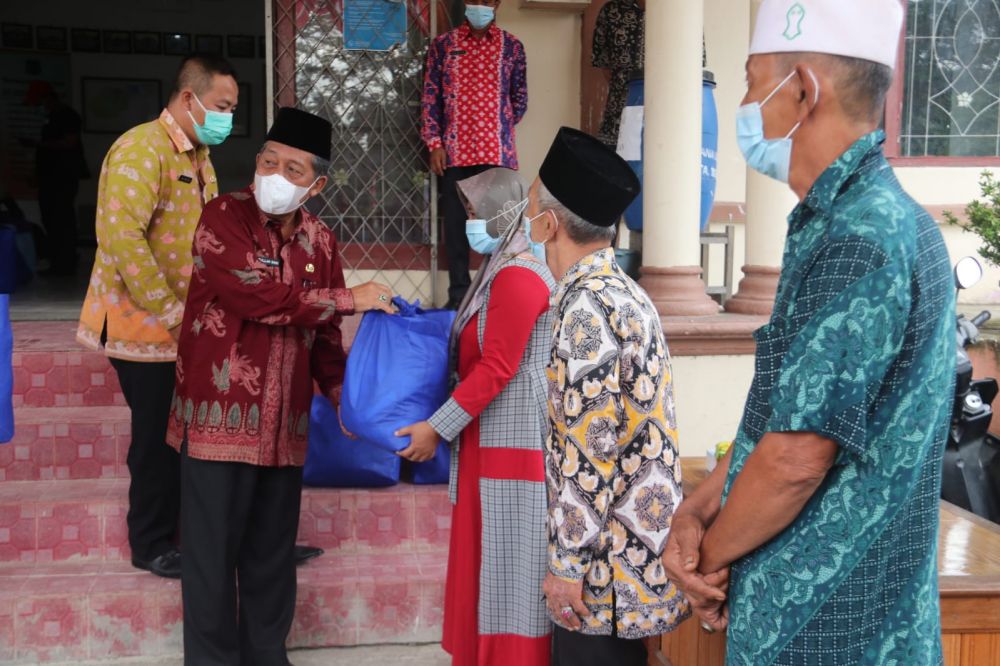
613, 473
154, 183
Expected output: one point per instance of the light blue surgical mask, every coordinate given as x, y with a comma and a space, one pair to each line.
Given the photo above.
479, 238
771, 157
479, 16
537, 249
217, 127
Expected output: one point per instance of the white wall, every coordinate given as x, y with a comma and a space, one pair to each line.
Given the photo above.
234, 159
710, 392
727, 40
552, 45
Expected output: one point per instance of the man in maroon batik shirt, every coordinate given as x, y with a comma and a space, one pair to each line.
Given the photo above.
262, 321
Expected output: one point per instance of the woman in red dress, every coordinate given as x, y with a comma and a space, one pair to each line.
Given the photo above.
496, 418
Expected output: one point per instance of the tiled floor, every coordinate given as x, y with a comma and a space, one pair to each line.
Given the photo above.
397, 655
50, 298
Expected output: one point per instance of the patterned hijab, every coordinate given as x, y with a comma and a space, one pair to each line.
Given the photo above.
498, 196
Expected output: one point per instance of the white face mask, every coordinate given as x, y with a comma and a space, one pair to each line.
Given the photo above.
276, 195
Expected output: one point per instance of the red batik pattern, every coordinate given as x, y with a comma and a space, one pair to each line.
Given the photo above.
262, 321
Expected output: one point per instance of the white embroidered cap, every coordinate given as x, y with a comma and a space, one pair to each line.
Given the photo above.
865, 29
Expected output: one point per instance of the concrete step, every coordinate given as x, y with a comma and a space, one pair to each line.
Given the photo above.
63, 443
45, 522
52, 370
74, 611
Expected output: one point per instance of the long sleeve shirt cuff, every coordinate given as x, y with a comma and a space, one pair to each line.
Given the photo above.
172, 315
344, 299
450, 420
568, 564
434, 143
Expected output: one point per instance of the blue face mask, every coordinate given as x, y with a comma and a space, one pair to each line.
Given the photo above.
771, 157
479, 239
479, 16
217, 127
537, 249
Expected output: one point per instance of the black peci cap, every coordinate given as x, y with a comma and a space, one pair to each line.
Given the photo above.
302, 130
589, 178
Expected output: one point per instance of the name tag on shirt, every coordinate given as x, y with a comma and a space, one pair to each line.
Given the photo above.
185, 179
269, 262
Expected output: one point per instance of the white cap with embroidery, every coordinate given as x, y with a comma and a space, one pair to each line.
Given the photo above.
865, 29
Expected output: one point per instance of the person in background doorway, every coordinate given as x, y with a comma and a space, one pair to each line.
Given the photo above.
826, 508
59, 167
262, 322
493, 612
612, 465
475, 93
619, 44
154, 182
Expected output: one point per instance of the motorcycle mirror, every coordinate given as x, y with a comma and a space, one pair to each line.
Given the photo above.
968, 272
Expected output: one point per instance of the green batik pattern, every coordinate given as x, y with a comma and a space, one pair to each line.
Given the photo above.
861, 350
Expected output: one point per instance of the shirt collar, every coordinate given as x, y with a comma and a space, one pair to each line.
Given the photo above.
597, 262
828, 186
180, 140
465, 31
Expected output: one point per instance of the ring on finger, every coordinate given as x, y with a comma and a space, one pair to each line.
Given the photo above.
566, 612
383, 298
707, 628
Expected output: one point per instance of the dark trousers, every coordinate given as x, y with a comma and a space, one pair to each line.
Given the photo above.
571, 648
238, 526
154, 492
57, 204
456, 242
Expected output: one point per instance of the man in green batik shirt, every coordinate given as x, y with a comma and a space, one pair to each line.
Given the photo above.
825, 512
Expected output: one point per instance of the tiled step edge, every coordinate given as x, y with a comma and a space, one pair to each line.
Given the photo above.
112, 611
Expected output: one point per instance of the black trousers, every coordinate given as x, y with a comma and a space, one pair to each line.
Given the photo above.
238, 526
571, 648
154, 492
57, 204
456, 242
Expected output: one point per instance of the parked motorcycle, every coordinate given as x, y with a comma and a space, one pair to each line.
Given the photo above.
971, 472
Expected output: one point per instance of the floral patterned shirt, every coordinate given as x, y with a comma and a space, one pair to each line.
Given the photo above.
262, 321
475, 92
612, 468
154, 183
861, 350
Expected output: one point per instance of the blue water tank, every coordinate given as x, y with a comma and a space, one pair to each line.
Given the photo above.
631, 140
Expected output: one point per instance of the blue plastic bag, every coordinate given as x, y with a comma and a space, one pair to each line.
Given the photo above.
6, 373
397, 373
334, 460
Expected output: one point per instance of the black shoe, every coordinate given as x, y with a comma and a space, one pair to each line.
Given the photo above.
167, 565
305, 553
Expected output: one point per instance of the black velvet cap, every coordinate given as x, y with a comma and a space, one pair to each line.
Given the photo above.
302, 130
589, 178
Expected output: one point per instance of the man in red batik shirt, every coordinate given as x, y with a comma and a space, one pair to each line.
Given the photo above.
262, 321
475, 93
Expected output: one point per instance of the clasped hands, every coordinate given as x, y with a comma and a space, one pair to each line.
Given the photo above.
707, 593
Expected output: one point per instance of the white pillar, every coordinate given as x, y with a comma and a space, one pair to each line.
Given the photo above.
768, 203
672, 158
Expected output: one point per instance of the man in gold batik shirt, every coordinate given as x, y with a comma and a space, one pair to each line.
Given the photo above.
154, 182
